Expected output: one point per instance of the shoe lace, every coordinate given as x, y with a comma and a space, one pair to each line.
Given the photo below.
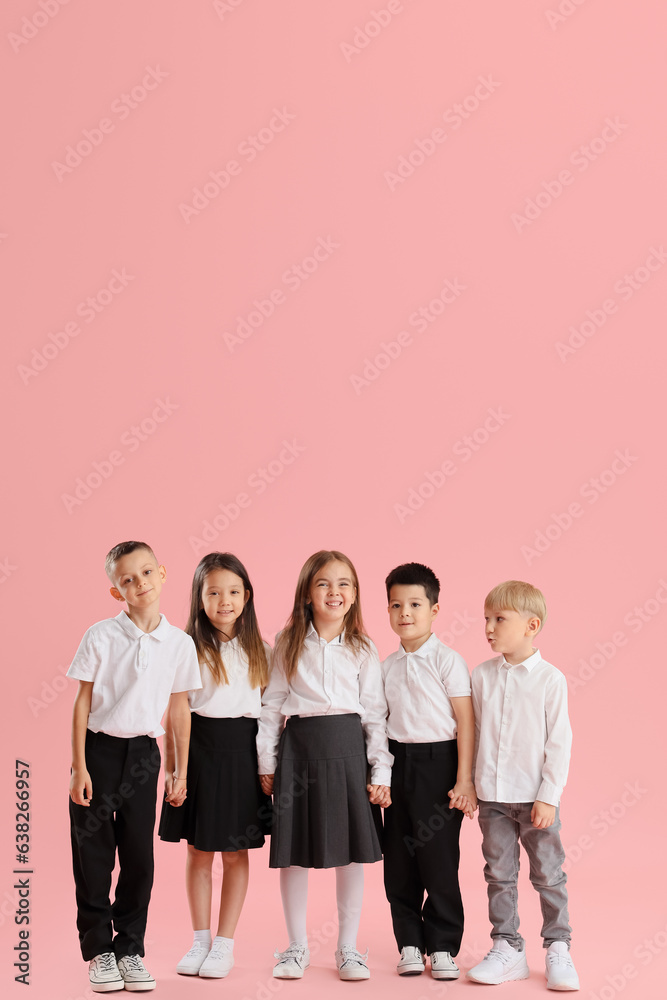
107, 961
218, 950
134, 963
555, 958
503, 956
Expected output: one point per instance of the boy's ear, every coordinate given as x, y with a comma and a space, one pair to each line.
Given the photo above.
533, 625
116, 594
434, 609
163, 573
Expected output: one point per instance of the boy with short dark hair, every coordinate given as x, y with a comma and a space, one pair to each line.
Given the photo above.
130, 669
431, 735
522, 754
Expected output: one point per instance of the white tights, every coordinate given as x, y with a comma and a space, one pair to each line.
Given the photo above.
349, 895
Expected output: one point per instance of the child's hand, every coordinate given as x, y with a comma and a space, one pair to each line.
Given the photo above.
80, 782
266, 781
379, 795
175, 791
542, 815
462, 796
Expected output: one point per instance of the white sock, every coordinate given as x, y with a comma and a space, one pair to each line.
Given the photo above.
228, 942
294, 893
203, 937
349, 896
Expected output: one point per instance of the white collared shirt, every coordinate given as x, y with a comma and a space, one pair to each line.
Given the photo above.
418, 687
522, 731
133, 674
331, 679
234, 700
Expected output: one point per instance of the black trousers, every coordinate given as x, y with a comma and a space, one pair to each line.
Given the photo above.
421, 848
121, 817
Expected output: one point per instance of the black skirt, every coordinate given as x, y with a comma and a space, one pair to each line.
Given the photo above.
321, 814
225, 808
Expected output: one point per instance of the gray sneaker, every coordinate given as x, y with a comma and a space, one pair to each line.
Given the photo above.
103, 973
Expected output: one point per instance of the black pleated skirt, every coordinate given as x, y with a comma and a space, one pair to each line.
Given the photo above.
225, 808
321, 814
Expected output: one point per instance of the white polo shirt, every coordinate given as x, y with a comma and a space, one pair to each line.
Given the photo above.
522, 731
234, 700
332, 679
418, 687
133, 674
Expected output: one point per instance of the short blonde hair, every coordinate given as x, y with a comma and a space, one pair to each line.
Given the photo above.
515, 595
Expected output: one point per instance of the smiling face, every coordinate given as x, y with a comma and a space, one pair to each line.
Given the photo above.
223, 599
411, 614
332, 593
511, 633
138, 579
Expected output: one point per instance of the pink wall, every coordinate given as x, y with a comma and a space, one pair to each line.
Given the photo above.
393, 254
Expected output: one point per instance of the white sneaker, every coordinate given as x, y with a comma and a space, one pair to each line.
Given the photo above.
218, 962
351, 963
561, 973
103, 973
443, 966
411, 962
292, 962
192, 961
135, 974
502, 964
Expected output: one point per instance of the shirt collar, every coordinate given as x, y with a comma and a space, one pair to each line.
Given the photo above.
313, 635
423, 650
126, 623
530, 663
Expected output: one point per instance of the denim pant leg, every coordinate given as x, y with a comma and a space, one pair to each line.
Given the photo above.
500, 847
546, 855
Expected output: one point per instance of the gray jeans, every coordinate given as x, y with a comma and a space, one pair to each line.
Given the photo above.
503, 825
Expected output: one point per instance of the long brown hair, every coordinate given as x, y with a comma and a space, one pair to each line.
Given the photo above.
205, 634
291, 639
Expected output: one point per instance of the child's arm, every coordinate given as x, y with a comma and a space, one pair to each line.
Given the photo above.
462, 795
556, 753
270, 723
179, 728
80, 781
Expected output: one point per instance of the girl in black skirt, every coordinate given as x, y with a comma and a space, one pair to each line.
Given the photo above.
326, 681
225, 809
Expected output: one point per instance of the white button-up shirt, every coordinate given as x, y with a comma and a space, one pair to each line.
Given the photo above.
331, 679
418, 687
133, 674
229, 701
522, 731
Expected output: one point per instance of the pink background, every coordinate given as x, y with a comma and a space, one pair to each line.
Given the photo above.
338, 108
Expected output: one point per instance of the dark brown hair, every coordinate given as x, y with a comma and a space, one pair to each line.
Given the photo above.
120, 550
415, 575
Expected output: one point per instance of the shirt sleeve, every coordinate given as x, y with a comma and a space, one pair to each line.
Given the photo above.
455, 676
187, 676
476, 688
374, 719
271, 719
86, 660
558, 743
